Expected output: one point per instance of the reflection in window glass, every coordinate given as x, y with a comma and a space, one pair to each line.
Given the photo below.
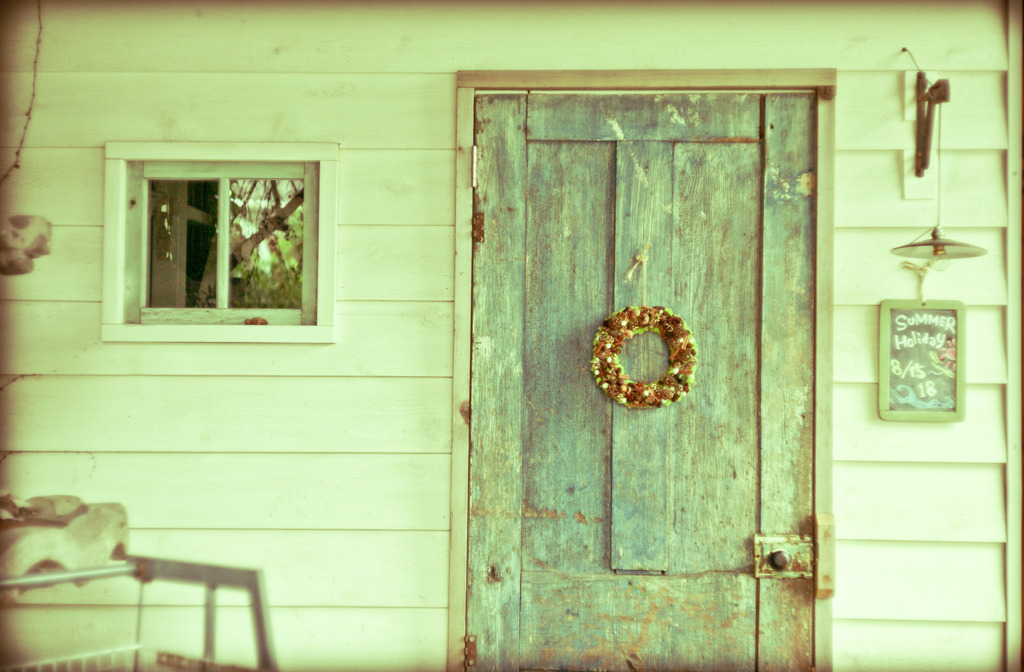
183, 244
265, 238
266, 243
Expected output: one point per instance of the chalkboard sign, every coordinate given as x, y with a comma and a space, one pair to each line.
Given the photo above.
921, 364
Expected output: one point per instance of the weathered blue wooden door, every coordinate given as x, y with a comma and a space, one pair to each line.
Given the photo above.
603, 537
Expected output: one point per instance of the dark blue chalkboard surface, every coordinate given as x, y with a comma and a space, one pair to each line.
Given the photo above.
921, 365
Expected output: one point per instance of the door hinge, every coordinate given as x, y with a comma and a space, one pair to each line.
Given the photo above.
475, 184
470, 651
478, 227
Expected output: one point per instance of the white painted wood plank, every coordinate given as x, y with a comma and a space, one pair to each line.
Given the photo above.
461, 361
255, 152
856, 344
925, 581
219, 333
866, 271
296, 490
387, 263
63, 185
869, 191
301, 568
920, 501
121, 293
365, 37
365, 639
355, 110
398, 187
973, 189
374, 339
911, 646
309, 639
869, 111
824, 406
325, 241
861, 435
396, 263
72, 271
227, 414
1014, 648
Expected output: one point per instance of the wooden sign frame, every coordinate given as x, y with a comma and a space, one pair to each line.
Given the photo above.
920, 361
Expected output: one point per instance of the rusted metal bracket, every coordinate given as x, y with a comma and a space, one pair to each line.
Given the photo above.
791, 556
927, 98
825, 555
470, 651
783, 556
478, 227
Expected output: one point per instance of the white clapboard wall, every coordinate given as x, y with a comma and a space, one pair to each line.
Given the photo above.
329, 466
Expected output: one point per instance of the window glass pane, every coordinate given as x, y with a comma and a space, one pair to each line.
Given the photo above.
182, 243
266, 243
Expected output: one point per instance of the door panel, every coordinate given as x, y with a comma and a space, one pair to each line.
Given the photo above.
787, 369
642, 441
565, 455
673, 117
638, 622
496, 485
717, 292
615, 538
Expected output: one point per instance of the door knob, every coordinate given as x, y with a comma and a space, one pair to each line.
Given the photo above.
779, 559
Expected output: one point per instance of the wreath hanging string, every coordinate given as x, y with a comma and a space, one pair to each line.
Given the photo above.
635, 320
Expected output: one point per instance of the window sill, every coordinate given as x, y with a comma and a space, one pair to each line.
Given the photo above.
212, 333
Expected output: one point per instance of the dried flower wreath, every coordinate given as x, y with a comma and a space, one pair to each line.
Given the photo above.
622, 326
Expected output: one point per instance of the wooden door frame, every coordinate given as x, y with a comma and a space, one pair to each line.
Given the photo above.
468, 84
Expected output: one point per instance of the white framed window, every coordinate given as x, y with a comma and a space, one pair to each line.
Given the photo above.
219, 242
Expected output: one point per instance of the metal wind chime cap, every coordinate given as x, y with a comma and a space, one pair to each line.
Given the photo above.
938, 247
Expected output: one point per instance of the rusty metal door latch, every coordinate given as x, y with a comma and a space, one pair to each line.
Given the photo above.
783, 556
791, 556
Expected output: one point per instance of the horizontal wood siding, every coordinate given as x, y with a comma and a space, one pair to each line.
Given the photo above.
920, 501
973, 190
329, 465
320, 568
951, 646
914, 581
860, 435
293, 490
375, 338
326, 414
913, 500
312, 639
372, 110
429, 38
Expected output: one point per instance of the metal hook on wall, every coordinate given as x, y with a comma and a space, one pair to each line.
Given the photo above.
927, 98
